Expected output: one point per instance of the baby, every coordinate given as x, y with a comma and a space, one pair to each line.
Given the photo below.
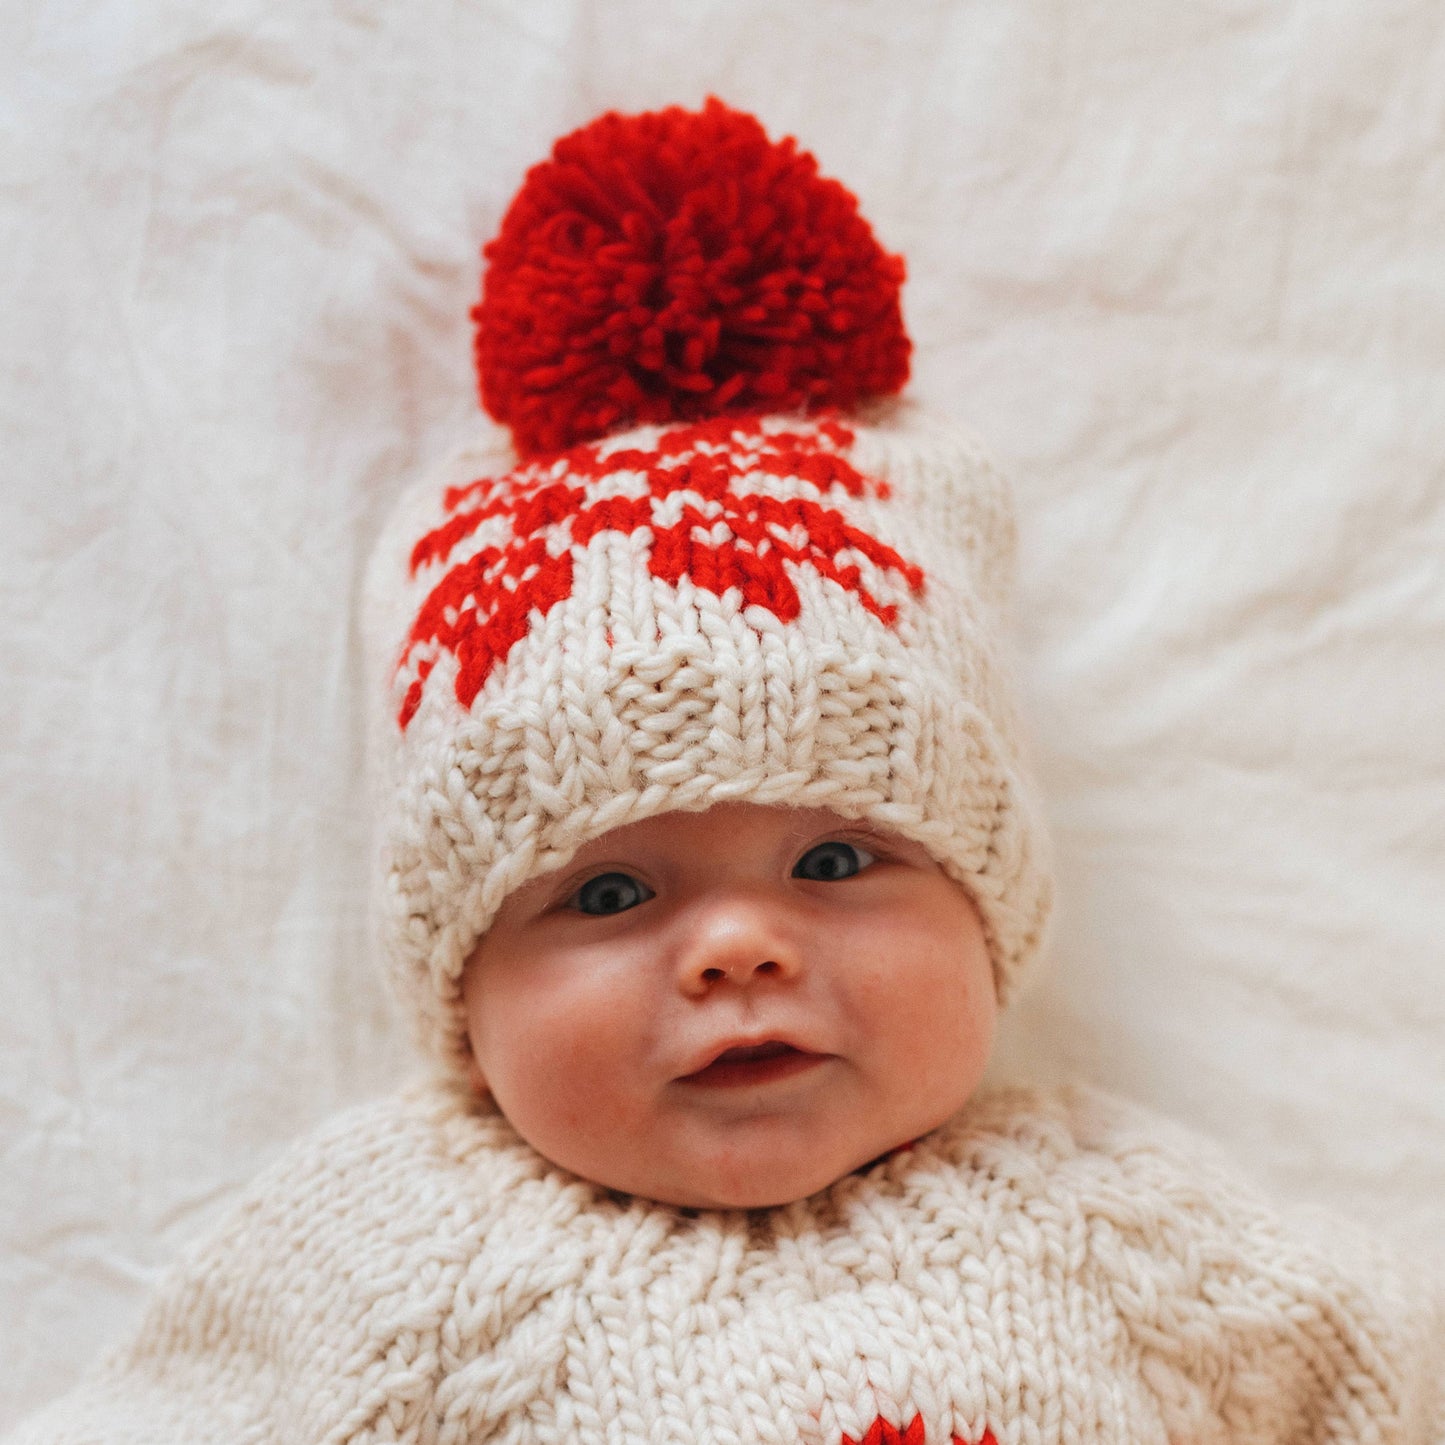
711, 855
731, 1009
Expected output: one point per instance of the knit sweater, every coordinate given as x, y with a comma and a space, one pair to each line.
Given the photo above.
1044, 1267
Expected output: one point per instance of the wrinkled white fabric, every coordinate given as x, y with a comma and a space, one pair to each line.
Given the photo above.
1180, 264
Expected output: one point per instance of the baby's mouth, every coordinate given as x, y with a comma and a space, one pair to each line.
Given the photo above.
753, 1064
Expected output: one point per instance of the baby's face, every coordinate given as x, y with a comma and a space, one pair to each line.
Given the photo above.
731, 1008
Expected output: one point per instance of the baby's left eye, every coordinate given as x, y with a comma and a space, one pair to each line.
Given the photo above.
832, 861
610, 893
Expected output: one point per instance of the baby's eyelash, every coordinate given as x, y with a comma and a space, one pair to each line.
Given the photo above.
566, 889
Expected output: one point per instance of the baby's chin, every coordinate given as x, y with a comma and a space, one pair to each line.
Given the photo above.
753, 1183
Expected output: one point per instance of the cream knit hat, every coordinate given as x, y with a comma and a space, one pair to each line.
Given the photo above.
778, 588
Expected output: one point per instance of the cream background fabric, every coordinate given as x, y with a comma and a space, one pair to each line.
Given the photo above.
1180, 266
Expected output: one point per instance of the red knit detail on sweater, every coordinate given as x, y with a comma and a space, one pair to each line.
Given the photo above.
880, 1432
676, 265
726, 536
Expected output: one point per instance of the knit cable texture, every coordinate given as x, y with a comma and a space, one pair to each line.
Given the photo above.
1043, 1268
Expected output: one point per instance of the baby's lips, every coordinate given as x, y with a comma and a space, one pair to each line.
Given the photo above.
740, 1060
739, 1045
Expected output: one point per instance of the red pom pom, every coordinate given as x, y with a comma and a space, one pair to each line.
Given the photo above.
676, 265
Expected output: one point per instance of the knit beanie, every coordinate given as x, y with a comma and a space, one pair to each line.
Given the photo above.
717, 558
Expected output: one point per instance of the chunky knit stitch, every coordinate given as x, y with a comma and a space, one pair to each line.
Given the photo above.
1041, 1269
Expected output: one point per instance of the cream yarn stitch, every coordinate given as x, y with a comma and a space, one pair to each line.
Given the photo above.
1041, 1269
784, 610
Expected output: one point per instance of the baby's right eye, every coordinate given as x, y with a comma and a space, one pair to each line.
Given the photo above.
610, 893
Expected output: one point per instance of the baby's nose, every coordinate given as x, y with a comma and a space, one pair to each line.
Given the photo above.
741, 943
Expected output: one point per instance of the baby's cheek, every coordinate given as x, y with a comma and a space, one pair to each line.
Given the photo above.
581, 1078
943, 1028
874, 988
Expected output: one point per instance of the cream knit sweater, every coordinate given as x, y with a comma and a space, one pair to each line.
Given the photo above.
1042, 1268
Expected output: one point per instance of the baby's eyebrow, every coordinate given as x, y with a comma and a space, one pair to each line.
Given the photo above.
574, 874
848, 831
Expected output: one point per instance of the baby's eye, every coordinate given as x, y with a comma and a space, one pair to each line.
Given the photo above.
829, 862
610, 893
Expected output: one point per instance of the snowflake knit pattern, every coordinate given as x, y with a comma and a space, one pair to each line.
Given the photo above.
690, 497
1044, 1269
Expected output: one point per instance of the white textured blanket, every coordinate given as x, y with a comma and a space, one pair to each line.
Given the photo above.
1181, 265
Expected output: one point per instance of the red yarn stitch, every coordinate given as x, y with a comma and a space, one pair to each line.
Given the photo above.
880, 1432
675, 265
483, 605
